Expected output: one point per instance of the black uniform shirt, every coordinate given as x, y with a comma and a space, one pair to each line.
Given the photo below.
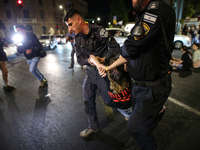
148, 55
3, 56
97, 42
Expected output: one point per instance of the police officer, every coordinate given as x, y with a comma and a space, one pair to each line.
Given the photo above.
91, 40
148, 50
30, 47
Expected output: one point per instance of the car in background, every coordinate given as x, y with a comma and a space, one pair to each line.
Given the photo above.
180, 40
120, 35
61, 39
48, 41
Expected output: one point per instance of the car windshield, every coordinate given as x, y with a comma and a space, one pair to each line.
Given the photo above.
44, 37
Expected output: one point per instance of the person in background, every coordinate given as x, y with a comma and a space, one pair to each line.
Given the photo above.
3, 66
199, 33
185, 63
196, 56
193, 32
30, 47
185, 30
70, 36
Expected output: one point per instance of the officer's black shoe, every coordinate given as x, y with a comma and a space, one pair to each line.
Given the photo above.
71, 67
8, 87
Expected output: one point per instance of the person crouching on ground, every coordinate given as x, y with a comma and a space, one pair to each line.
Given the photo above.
185, 63
196, 56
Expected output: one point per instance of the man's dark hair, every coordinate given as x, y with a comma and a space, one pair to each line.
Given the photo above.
20, 26
70, 13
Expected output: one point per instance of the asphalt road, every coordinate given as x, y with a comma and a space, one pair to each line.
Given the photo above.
52, 118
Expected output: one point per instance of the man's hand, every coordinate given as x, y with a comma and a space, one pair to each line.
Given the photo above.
102, 70
28, 51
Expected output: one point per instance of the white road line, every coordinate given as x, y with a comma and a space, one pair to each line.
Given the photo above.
184, 106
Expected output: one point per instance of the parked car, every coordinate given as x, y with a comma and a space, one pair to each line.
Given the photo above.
48, 41
180, 40
120, 35
61, 39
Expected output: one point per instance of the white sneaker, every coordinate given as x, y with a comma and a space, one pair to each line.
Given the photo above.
87, 132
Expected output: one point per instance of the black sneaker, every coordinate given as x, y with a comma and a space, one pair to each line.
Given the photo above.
8, 87
71, 67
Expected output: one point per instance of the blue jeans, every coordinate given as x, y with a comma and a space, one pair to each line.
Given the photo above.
125, 112
33, 68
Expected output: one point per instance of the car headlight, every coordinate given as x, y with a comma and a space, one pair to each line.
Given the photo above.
47, 42
187, 38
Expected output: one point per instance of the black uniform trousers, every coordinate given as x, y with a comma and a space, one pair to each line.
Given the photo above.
91, 83
147, 102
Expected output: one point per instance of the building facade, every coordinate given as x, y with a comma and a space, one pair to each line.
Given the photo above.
39, 16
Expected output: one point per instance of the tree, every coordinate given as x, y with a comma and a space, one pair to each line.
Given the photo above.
118, 8
190, 11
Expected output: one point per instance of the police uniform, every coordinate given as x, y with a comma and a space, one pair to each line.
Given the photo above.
148, 67
97, 42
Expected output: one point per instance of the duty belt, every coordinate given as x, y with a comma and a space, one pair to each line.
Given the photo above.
146, 83
150, 83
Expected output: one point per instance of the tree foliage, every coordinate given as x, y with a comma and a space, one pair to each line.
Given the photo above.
118, 8
190, 11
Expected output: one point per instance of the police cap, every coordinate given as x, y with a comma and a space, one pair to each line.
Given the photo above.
70, 13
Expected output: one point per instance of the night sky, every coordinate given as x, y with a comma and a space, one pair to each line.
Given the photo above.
101, 8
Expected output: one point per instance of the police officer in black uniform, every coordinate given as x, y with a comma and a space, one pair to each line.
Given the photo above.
92, 40
148, 52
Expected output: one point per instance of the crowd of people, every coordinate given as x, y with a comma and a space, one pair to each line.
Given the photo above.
193, 32
135, 79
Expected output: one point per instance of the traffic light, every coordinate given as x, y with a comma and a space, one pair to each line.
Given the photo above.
56, 26
43, 27
19, 2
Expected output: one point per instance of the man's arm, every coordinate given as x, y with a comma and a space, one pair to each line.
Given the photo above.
82, 59
110, 42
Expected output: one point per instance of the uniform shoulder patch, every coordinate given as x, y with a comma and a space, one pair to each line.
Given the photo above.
103, 33
150, 18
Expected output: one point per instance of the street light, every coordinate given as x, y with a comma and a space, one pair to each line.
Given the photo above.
98, 19
61, 7
109, 23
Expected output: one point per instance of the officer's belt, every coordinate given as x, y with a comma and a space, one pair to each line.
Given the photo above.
146, 83
92, 67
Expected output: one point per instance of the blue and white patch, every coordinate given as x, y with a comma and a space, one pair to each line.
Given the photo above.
150, 18
103, 33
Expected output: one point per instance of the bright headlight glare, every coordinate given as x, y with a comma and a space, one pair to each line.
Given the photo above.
17, 38
47, 42
187, 38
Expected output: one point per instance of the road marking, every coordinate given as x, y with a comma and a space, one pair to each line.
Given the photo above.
184, 106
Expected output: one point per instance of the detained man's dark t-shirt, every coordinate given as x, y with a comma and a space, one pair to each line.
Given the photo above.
187, 61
